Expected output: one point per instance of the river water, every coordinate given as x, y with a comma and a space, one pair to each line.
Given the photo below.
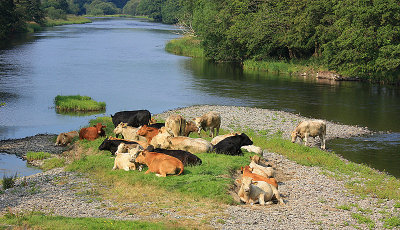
123, 63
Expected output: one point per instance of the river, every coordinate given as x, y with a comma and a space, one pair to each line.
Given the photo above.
123, 63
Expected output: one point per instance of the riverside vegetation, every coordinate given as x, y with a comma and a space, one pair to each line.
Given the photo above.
78, 103
204, 189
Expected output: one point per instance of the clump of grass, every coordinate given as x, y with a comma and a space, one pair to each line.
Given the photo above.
78, 103
53, 163
9, 182
187, 46
361, 219
392, 222
30, 156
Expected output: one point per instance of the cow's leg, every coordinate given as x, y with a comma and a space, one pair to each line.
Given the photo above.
115, 166
217, 131
212, 132
277, 195
322, 137
305, 139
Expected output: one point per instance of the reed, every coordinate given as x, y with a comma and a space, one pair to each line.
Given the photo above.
30, 156
186, 46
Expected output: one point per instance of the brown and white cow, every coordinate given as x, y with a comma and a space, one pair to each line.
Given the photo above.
210, 120
310, 128
128, 132
160, 163
175, 123
91, 133
148, 132
66, 138
261, 193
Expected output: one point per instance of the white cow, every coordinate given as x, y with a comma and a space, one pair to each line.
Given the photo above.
311, 128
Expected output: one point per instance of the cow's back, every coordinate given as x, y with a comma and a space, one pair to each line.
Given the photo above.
134, 118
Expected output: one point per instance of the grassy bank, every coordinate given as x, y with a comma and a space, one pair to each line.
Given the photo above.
78, 103
185, 46
71, 19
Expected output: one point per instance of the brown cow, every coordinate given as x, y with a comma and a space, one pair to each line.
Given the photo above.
247, 172
148, 132
160, 163
66, 138
91, 133
190, 127
210, 120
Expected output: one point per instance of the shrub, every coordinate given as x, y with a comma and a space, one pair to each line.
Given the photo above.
9, 182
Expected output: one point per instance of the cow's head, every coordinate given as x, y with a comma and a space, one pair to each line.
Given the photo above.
294, 135
141, 157
246, 184
142, 130
134, 153
198, 122
120, 127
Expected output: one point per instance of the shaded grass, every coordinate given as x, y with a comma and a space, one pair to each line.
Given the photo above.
185, 46
53, 163
30, 156
71, 19
78, 103
41, 221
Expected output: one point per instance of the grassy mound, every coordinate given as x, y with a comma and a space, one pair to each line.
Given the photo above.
78, 103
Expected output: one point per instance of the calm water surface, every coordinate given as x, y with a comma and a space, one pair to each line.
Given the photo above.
123, 63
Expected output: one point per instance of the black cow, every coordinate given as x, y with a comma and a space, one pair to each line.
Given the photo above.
112, 145
231, 145
157, 125
184, 156
134, 118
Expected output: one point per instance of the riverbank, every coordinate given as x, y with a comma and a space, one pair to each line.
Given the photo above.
189, 46
314, 197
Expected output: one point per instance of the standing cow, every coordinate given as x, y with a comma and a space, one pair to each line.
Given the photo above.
311, 128
210, 120
134, 118
176, 124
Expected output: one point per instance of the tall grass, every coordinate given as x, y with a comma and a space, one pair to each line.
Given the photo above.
185, 46
78, 103
30, 156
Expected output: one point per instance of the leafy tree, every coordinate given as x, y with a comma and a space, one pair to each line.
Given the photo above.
10, 21
130, 7
151, 8
99, 7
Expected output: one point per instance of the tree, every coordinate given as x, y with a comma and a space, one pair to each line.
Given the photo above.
130, 7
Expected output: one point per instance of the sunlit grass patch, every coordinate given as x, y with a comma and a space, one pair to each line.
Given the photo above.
71, 19
54, 162
30, 156
78, 103
186, 46
41, 221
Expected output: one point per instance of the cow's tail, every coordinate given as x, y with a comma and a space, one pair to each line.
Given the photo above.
181, 166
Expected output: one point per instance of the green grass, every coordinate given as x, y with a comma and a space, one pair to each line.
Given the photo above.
71, 19
392, 222
8, 182
78, 103
185, 46
30, 156
53, 163
41, 221
361, 219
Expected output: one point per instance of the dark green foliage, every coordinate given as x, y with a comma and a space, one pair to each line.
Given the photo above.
99, 7
130, 7
9, 182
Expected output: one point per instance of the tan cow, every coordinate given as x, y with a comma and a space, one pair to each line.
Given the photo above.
190, 127
66, 138
217, 139
175, 123
192, 145
129, 133
210, 120
253, 149
262, 192
311, 128
261, 170
160, 163
126, 161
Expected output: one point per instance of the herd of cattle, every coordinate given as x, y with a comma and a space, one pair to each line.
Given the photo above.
166, 149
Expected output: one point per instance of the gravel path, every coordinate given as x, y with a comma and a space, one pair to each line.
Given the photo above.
313, 200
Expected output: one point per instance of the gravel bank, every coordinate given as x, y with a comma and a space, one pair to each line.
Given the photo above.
313, 200
37, 143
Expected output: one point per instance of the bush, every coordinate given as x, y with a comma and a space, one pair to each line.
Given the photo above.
54, 13
9, 182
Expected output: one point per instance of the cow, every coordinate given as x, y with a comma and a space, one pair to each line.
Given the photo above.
231, 145
175, 123
253, 149
247, 173
184, 156
210, 120
153, 123
261, 193
111, 144
310, 128
91, 133
192, 145
147, 132
158, 139
64, 139
134, 118
261, 170
144, 144
126, 160
190, 127
128, 132
160, 163
261, 161
217, 139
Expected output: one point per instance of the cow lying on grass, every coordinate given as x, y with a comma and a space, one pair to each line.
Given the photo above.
112, 144
307, 129
184, 156
147, 132
126, 160
65, 138
247, 172
260, 192
128, 132
160, 163
217, 139
231, 145
91, 133
261, 170
192, 145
